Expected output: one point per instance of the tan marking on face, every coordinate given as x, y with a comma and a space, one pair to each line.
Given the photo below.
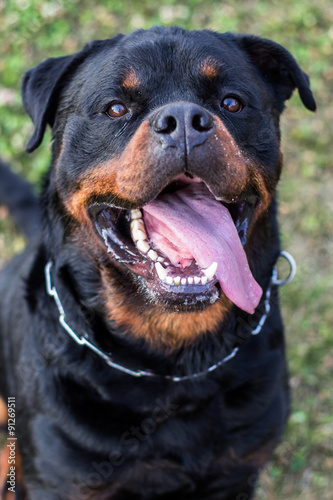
209, 68
238, 172
126, 177
131, 81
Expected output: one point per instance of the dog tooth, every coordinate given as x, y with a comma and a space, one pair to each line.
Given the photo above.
152, 255
190, 281
136, 214
210, 271
197, 280
183, 281
160, 259
143, 246
176, 280
138, 224
162, 273
169, 280
204, 280
137, 235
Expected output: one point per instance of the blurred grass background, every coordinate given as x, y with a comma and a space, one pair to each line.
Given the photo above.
32, 30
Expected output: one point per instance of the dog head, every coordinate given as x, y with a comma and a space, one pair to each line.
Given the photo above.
166, 157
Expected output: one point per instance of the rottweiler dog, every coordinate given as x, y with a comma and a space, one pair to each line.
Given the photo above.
141, 338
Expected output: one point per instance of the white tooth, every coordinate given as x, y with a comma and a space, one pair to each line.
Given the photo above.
143, 246
169, 280
197, 280
138, 224
160, 259
152, 255
176, 280
183, 281
190, 281
162, 273
204, 280
210, 271
137, 235
136, 214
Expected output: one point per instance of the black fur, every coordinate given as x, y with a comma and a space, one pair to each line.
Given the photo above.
19, 197
84, 429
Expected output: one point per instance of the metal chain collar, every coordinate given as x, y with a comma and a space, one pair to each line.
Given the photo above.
83, 340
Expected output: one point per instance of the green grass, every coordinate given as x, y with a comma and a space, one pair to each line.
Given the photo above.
34, 30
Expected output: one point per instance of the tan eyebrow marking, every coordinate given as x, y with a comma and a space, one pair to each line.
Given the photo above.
209, 68
131, 81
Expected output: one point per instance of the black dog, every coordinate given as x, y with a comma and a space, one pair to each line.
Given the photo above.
128, 325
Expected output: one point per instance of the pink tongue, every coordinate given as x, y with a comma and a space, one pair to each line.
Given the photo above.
190, 224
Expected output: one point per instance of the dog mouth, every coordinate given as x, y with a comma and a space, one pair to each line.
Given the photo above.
185, 246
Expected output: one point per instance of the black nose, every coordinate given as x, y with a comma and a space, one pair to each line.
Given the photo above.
183, 125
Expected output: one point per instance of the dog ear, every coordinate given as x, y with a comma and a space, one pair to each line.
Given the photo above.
278, 68
43, 84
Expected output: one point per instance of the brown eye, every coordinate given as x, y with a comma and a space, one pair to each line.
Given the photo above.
116, 110
231, 104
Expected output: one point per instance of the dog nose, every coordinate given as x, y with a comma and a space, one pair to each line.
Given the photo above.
183, 125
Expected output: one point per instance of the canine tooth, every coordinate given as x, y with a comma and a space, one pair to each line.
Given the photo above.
204, 280
152, 255
136, 214
162, 273
169, 280
160, 259
197, 280
210, 271
183, 281
143, 246
176, 280
190, 281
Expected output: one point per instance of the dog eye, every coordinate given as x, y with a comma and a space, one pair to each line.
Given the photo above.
232, 104
116, 110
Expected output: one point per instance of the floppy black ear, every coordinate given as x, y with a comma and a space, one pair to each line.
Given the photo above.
40, 89
42, 86
279, 69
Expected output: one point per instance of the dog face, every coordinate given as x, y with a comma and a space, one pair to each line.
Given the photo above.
166, 160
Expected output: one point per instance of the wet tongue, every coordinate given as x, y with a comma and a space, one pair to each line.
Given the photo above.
190, 224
